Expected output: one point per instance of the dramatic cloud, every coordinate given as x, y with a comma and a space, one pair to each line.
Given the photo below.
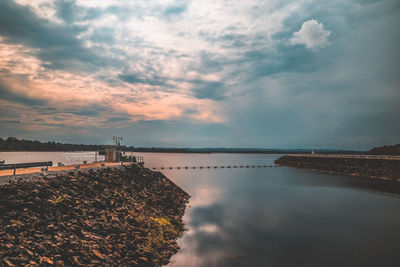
311, 34
201, 73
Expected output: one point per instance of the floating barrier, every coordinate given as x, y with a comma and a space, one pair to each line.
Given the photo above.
213, 167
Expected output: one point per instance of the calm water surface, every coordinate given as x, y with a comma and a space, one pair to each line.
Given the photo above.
273, 216
280, 216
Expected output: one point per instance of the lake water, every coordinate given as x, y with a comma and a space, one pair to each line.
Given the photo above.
280, 216
277, 216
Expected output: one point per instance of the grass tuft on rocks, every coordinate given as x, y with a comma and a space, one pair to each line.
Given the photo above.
113, 216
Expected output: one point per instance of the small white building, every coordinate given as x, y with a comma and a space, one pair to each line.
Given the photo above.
113, 154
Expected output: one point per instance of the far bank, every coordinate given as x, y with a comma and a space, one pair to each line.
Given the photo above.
385, 168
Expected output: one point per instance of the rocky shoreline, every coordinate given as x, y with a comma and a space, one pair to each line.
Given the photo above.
113, 216
370, 168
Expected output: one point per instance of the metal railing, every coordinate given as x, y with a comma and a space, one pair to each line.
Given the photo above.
25, 165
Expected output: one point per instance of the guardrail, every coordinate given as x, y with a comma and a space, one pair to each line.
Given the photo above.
25, 165
386, 157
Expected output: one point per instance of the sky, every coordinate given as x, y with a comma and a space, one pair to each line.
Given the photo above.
209, 73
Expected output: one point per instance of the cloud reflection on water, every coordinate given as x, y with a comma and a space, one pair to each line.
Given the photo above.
285, 217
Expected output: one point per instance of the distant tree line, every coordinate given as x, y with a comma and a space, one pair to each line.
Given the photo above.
386, 150
14, 144
161, 150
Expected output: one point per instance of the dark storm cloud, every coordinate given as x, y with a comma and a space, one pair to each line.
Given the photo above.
370, 125
103, 35
7, 94
137, 79
118, 119
212, 62
66, 10
88, 113
174, 10
367, 2
209, 90
88, 110
231, 40
11, 121
286, 59
58, 44
256, 62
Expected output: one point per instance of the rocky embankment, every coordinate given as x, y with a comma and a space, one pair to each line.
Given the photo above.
113, 216
371, 168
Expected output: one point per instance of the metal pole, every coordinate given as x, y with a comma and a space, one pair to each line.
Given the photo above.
15, 167
95, 156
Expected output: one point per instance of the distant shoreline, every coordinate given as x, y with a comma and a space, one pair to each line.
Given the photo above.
383, 169
12, 144
194, 151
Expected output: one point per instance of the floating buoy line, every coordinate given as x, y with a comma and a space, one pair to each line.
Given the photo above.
213, 167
